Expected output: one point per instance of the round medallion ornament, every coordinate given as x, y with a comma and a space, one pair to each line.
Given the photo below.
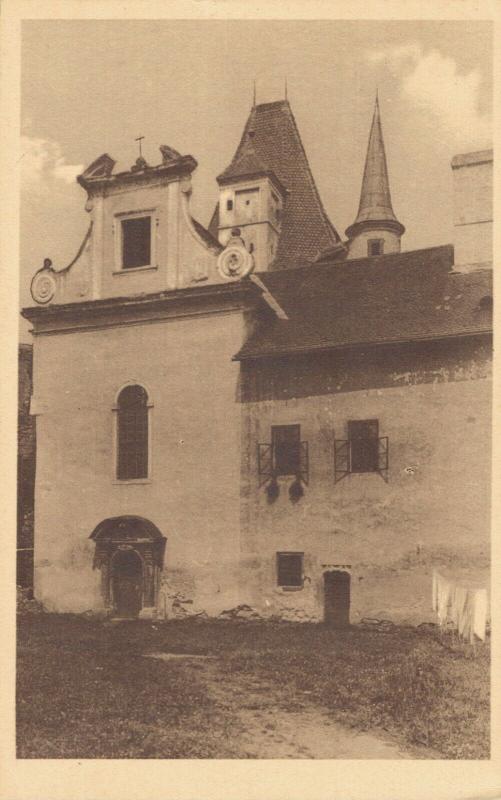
235, 262
43, 287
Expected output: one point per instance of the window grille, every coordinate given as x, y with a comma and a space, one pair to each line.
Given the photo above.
132, 430
285, 455
290, 569
136, 242
363, 451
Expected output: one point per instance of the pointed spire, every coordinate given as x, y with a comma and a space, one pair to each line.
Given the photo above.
375, 198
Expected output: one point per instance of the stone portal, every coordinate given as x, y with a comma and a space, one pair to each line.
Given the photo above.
130, 553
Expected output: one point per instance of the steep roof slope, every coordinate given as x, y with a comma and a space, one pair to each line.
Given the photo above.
272, 137
375, 198
401, 297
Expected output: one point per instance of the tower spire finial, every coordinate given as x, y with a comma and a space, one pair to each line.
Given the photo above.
286, 87
254, 94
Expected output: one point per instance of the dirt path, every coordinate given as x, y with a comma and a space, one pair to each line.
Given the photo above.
270, 728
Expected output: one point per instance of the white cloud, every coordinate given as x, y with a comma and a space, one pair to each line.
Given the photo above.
433, 83
42, 163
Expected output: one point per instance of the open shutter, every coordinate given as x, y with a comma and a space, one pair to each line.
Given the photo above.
304, 466
341, 459
265, 463
383, 457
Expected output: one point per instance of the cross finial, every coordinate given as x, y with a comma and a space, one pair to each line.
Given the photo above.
139, 139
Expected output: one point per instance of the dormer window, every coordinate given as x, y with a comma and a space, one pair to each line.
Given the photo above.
136, 242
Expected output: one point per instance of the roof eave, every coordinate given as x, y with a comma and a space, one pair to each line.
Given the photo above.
293, 351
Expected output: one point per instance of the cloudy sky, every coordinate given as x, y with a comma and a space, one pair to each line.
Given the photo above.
90, 87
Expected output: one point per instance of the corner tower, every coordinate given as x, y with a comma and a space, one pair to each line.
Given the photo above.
376, 230
269, 194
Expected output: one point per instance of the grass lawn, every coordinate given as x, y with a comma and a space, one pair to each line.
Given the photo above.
85, 691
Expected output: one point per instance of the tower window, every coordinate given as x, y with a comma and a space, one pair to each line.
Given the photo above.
136, 242
229, 205
132, 433
375, 247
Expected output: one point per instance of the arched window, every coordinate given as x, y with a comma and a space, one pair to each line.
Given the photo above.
132, 433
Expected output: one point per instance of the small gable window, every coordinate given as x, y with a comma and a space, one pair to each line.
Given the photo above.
290, 570
375, 247
136, 242
132, 433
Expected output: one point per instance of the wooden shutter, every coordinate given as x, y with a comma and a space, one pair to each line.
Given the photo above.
383, 457
341, 459
264, 463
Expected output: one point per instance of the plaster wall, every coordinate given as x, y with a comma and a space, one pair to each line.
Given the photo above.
432, 512
473, 212
191, 495
261, 233
357, 247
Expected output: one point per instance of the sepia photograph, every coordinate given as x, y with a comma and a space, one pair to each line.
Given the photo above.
255, 389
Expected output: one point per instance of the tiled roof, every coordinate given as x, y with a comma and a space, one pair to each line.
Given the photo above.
392, 298
272, 134
247, 163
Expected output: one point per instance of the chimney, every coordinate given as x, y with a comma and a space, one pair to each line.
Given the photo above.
472, 177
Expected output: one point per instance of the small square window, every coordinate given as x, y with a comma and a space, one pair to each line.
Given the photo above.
286, 445
136, 242
375, 247
290, 569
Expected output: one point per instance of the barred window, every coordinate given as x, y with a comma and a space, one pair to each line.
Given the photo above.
290, 569
132, 430
286, 445
364, 444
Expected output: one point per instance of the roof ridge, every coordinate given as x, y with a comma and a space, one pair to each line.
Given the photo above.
372, 260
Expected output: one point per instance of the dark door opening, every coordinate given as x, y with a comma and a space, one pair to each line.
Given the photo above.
337, 598
127, 582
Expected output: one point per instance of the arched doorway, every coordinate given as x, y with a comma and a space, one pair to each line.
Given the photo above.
130, 553
337, 598
127, 583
